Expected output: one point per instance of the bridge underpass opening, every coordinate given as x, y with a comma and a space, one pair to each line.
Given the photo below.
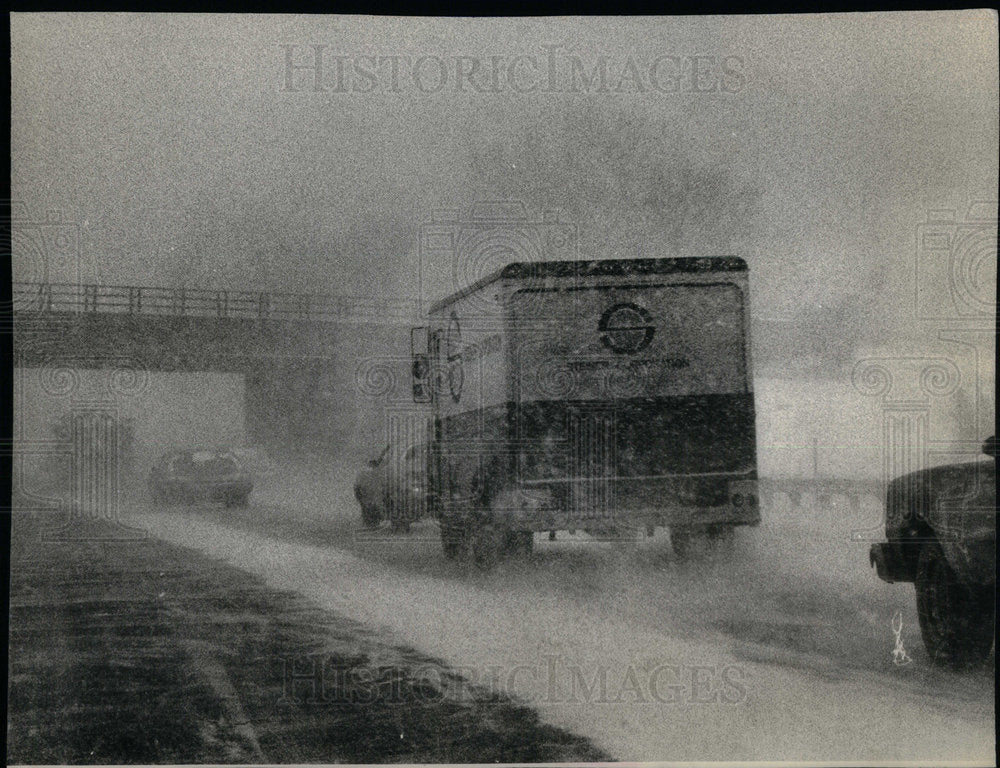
298, 405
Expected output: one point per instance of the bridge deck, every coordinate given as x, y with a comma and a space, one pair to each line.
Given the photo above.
199, 302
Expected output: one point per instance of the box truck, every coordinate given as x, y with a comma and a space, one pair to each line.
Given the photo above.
598, 396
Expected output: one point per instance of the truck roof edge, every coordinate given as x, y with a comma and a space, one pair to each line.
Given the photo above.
602, 268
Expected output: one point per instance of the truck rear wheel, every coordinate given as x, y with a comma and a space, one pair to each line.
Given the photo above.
370, 516
398, 514
235, 499
454, 539
487, 545
956, 619
698, 541
398, 525
682, 539
519, 543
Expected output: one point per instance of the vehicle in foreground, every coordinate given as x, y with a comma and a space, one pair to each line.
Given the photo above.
393, 487
186, 476
940, 526
602, 396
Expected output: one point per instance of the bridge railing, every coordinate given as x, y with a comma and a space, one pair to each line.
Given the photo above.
202, 302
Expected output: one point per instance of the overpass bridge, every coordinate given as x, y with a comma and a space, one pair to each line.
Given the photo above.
173, 329
298, 353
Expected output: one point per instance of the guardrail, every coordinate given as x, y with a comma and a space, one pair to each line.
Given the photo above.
200, 302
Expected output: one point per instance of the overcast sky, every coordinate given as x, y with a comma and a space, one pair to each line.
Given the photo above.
815, 146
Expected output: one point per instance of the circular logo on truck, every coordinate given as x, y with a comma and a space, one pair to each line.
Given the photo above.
626, 328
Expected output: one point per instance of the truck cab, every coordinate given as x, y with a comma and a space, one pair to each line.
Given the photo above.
940, 527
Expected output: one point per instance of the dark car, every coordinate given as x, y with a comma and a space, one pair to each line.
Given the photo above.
941, 529
393, 486
188, 476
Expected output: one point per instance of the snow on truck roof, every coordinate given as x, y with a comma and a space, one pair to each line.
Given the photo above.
600, 268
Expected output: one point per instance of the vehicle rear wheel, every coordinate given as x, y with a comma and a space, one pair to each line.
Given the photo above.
956, 619
236, 499
399, 519
719, 535
682, 541
370, 516
519, 543
698, 541
399, 526
454, 539
487, 545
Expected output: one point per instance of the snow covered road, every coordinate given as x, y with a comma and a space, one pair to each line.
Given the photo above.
784, 653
